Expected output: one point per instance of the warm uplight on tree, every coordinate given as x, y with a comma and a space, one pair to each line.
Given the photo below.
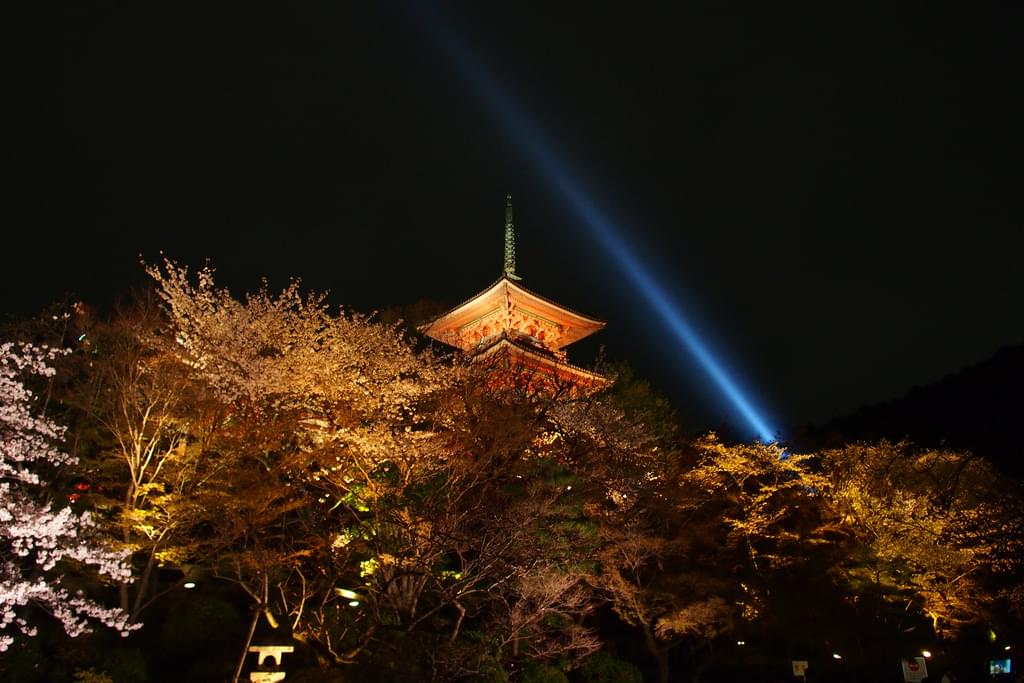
289, 451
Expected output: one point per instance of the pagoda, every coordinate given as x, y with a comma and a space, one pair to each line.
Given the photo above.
519, 335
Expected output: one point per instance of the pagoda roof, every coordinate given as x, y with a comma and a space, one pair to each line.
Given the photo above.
540, 358
506, 294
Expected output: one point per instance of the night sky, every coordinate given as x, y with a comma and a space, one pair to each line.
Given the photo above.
833, 195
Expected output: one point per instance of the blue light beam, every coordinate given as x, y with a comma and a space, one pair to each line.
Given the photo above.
558, 174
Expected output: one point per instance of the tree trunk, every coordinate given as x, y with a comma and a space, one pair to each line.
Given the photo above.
660, 655
142, 585
248, 640
458, 622
256, 612
126, 536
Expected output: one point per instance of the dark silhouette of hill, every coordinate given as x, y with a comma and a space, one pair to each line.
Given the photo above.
980, 409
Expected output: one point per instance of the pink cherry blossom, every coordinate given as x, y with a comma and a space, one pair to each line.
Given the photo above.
35, 536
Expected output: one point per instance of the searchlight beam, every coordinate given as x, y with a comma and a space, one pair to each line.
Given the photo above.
609, 236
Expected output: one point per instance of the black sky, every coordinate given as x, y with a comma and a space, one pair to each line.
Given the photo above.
833, 193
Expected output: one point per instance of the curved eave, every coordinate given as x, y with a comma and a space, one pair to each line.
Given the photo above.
541, 358
452, 319
577, 326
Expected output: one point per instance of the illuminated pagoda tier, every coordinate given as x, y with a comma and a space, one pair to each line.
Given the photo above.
521, 336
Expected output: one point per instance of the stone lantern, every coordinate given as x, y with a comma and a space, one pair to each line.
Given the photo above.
275, 653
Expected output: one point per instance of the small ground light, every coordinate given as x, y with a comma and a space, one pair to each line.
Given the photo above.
836, 655
353, 603
926, 653
189, 584
1007, 648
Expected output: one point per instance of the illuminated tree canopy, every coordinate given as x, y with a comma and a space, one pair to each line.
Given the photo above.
397, 513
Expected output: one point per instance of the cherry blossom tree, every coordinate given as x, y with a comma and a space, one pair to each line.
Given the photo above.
313, 404
37, 539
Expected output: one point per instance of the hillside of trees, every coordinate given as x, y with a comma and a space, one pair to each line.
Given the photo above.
194, 473
975, 409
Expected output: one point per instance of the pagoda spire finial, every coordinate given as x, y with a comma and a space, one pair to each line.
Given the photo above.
509, 270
